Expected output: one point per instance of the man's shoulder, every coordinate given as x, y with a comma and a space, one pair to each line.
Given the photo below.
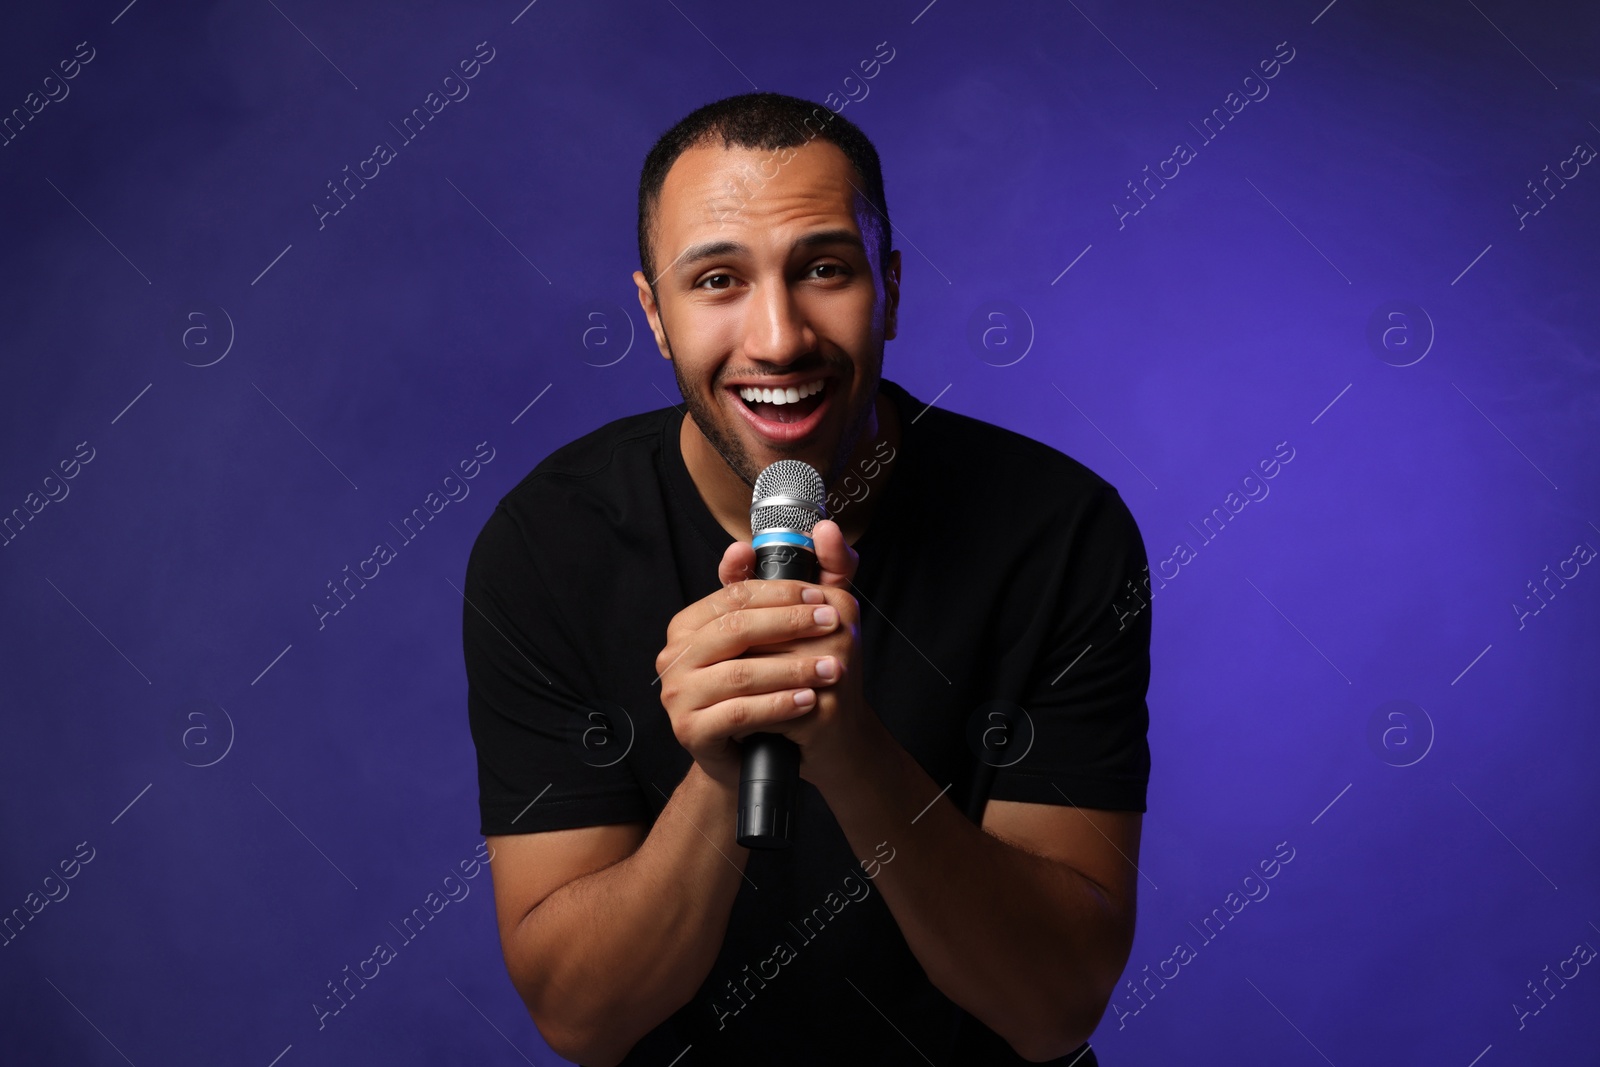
985, 459
609, 459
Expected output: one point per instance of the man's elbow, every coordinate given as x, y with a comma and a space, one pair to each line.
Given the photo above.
1059, 1033
589, 1047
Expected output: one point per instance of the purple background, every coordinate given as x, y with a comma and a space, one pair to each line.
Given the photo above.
159, 616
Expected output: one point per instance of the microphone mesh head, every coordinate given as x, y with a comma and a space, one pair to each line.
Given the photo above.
789, 495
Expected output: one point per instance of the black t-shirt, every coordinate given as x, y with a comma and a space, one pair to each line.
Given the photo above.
1005, 628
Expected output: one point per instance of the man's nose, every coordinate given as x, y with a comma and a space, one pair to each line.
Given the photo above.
776, 329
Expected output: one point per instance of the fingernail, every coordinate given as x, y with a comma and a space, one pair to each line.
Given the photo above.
805, 698
827, 669
824, 616
812, 595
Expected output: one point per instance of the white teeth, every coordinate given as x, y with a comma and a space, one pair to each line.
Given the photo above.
791, 395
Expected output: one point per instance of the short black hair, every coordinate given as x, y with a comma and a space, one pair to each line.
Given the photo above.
766, 121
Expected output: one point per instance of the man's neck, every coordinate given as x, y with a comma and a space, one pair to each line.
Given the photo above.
728, 497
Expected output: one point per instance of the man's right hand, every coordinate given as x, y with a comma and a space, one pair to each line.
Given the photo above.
725, 673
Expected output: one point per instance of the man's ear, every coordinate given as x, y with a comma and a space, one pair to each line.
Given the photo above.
891, 295
652, 314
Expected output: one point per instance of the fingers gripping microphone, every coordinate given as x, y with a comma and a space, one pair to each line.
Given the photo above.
788, 500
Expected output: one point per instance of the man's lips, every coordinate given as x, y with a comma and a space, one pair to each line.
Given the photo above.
782, 433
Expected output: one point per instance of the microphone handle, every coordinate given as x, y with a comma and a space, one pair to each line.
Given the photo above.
769, 773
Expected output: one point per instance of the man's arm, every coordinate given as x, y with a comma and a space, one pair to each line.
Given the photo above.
603, 956
1026, 923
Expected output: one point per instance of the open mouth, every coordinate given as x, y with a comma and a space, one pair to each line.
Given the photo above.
783, 414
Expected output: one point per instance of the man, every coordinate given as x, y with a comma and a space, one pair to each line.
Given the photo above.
966, 682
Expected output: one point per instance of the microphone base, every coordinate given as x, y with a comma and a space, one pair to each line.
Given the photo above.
769, 797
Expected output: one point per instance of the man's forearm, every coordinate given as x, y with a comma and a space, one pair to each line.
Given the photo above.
607, 957
1025, 944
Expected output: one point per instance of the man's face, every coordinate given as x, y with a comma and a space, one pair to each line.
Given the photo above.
765, 283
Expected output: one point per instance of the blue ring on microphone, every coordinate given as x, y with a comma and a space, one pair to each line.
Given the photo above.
783, 537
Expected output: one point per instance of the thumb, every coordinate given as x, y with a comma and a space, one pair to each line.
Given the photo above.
836, 560
738, 563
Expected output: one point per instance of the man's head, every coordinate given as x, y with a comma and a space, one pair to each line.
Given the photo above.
764, 240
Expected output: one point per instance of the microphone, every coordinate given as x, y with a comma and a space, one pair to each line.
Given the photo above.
788, 500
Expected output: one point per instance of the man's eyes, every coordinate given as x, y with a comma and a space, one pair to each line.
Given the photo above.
836, 270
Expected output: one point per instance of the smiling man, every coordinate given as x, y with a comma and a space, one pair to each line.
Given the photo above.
966, 681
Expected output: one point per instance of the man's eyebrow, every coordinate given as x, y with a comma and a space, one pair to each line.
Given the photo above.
718, 249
